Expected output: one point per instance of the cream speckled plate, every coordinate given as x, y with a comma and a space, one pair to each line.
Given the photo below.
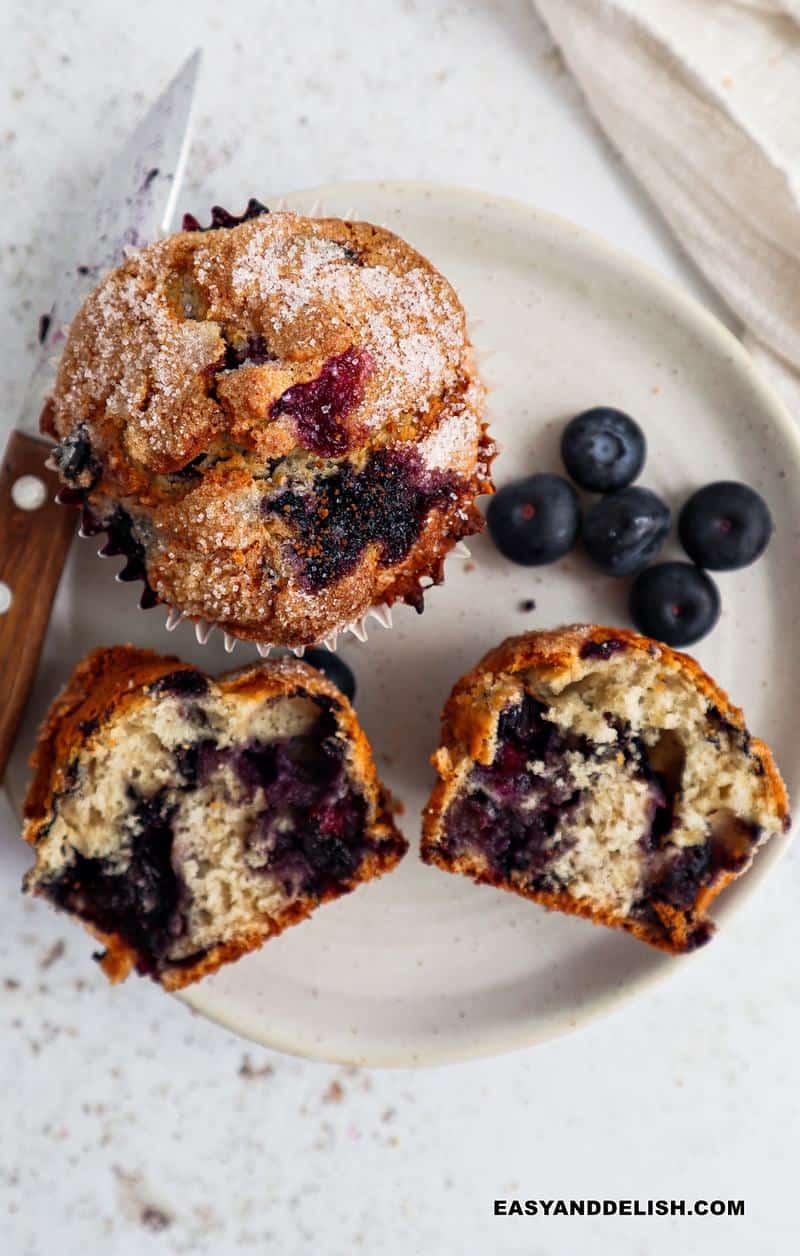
423, 967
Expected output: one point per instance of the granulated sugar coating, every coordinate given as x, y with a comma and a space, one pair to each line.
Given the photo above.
285, 414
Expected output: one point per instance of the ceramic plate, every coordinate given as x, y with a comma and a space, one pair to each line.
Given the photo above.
424, 967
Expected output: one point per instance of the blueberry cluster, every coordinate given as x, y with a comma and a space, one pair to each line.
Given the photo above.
722, 526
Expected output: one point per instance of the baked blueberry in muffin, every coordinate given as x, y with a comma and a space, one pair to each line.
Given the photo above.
186, 820
277, 419
602, 774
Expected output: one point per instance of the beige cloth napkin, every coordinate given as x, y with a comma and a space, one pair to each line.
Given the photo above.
702, 99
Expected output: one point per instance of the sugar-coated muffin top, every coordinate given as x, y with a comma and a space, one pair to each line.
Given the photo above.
286, 416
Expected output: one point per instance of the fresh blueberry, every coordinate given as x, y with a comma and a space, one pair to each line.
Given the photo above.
536, 520
674, 602
334, 667
725, 526
624, 530
603, 449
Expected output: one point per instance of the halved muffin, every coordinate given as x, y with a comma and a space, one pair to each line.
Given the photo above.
602, 774
187, 820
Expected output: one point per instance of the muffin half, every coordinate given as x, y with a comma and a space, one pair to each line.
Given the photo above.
602, 774
186, 820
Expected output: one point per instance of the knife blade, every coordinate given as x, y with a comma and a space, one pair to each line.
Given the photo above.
134, 200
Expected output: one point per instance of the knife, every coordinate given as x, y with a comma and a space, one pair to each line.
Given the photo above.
134, 200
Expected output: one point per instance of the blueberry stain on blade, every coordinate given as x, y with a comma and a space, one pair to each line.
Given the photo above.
625, 530
676, 603
536, 520
725, 526
334, 667
603, 449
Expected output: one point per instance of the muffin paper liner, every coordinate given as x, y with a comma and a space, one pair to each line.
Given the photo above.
132, 571
381, 613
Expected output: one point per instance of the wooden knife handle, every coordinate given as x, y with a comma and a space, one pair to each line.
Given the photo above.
34, 540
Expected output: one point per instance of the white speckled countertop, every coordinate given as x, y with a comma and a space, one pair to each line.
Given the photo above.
129, 1126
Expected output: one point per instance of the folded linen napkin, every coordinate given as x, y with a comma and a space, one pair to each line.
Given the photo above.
702, 99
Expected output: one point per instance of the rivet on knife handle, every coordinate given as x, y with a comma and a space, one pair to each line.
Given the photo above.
35, 534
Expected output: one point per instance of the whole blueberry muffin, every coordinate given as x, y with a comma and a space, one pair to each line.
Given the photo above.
185, 820
276, 419
602, 774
